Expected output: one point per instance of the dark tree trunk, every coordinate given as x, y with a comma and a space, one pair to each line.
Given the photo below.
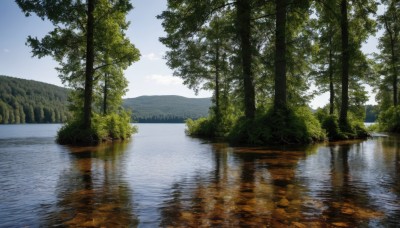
393, 60
105, 93
345, 64
280, 55
393, 38
87, 109
395, 80
217, 66
244, 29
331, 88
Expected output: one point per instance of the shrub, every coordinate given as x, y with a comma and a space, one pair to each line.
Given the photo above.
202, 127
389, 120
110, 127
279, 126
73, 133
330, 124
353, 129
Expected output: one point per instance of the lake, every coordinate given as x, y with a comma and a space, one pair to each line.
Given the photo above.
161, 178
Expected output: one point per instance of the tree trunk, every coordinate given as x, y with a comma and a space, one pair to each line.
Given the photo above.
395, 80
280, 55
345, 64
87, 109
217, 105
105, 90
393, 61
331, 88
244, 29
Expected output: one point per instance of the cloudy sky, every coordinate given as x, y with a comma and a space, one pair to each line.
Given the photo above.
149, 76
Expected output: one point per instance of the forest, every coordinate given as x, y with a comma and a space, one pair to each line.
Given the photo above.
166, 109
27, 101
266, 60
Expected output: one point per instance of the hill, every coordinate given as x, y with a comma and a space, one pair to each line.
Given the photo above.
28, 101
166, 109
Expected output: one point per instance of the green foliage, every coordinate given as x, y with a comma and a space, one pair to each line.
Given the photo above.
109, 127
27, 101
202, 127
114, 126
330, 123
72, 133
289, 126
389, 120
213, 125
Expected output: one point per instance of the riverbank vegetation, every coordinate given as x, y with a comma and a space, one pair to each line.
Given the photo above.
260, 58
91, 46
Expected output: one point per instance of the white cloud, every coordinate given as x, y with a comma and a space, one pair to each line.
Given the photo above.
152, 56
164, 79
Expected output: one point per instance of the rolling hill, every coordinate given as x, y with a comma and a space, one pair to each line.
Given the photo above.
28, 101
166, 109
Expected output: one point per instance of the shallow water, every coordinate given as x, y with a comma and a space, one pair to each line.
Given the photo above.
163, 178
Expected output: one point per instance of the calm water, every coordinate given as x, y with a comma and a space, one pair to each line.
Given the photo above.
163, 178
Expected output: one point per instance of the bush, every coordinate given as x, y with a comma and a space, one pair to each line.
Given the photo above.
331, 125
389, 120
279, 126
212, 126
353, 129
110, 127
73, 133
202, 127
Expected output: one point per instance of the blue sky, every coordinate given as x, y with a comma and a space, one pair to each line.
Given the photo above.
149, 76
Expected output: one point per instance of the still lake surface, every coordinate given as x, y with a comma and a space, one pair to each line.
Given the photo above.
161, 177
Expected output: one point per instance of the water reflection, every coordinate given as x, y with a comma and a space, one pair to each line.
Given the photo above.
248, 187
93, 192
273, 187
163, 178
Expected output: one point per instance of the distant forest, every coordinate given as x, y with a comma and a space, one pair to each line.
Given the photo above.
28, 101
166, 109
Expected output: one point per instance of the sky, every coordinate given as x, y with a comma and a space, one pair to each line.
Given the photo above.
149, 76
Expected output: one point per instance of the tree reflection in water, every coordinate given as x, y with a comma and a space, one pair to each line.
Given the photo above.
249, 187
252, 187
92, 192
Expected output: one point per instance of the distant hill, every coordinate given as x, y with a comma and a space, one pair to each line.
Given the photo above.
28, 101
166, 109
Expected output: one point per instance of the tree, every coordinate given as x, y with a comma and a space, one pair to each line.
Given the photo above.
389, 45
280, 55
326, 51
89, 36
244, 12
192, 29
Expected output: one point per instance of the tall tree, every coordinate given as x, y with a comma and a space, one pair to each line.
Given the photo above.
77, 43
244, 13
389, 44
186, 21
87, 105
280, 55
344, 26
326, 51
